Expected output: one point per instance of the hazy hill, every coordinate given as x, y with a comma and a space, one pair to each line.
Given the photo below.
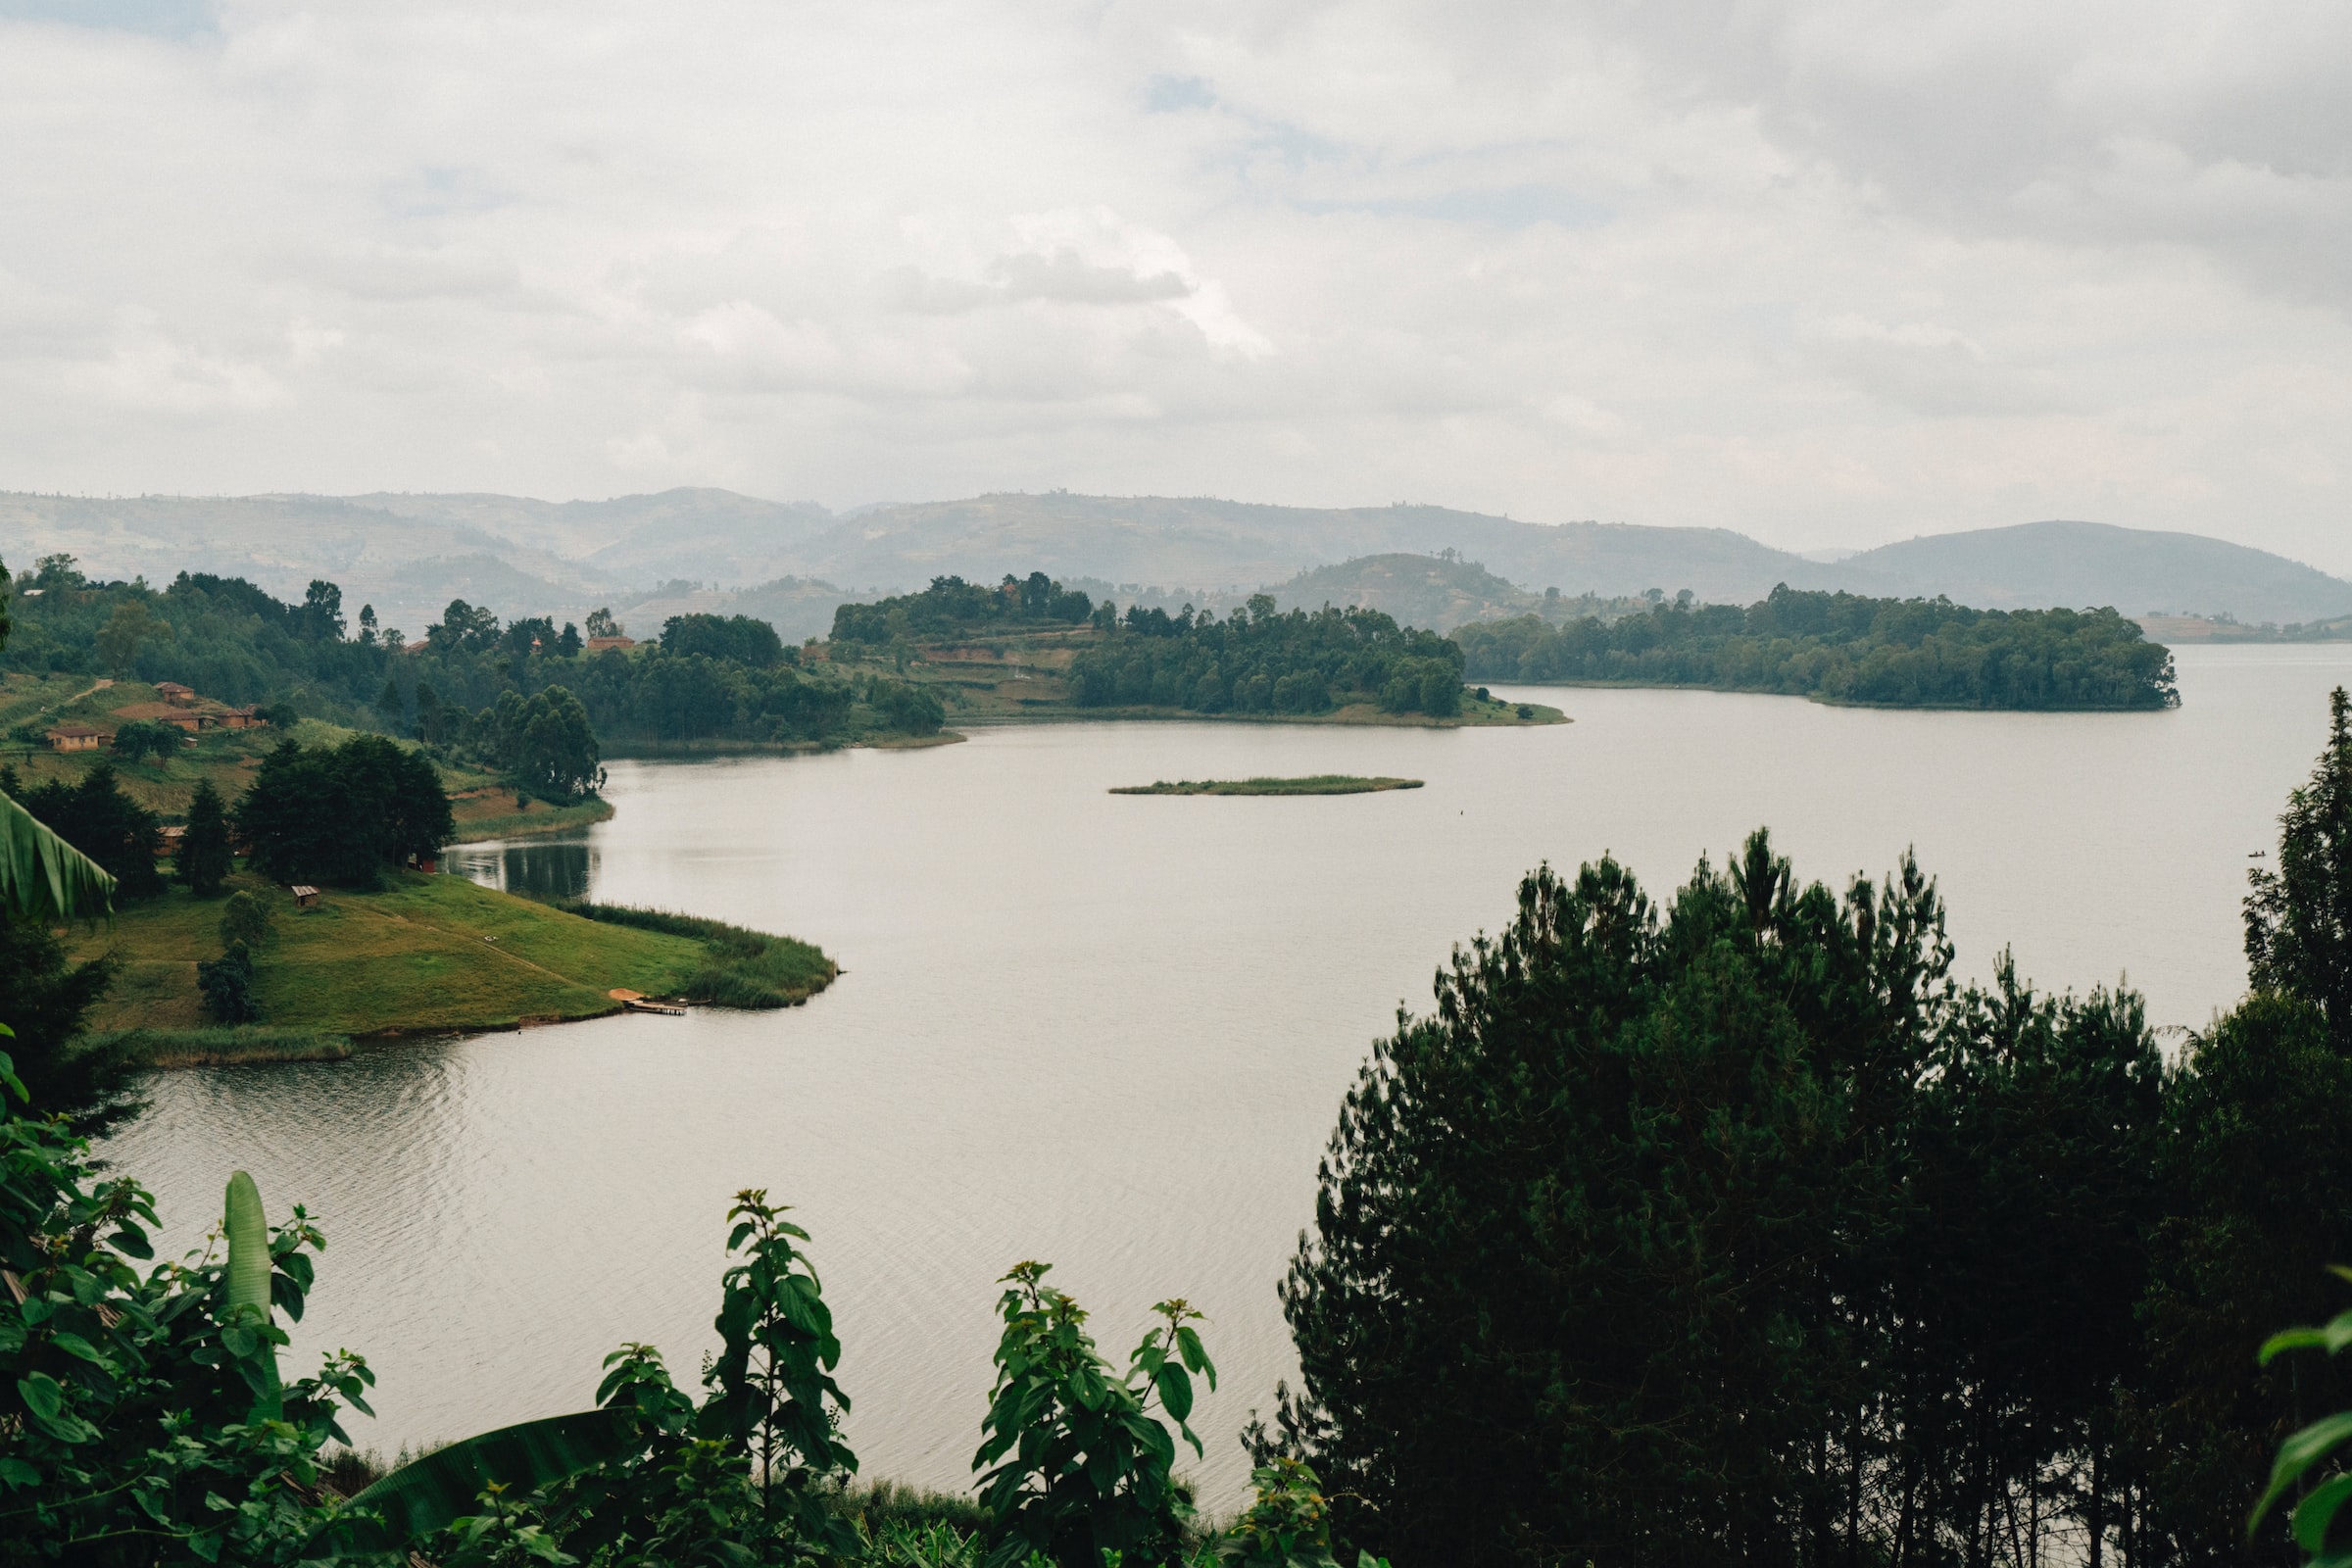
410, 554
692, 533
406, 566
1238, 545
2037, 565
1417, 590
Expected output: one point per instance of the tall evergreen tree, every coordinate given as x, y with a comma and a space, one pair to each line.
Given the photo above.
205, 859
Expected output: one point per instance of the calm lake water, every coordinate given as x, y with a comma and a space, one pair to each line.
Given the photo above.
1112, 1032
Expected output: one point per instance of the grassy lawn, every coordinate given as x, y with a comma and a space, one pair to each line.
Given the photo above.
426, 954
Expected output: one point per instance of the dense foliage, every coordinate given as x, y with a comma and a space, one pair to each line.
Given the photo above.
727, 638
953, 608
341, 813
707, 679
1844, 647
1263, 660
99, 819
1736, 1231
221, 635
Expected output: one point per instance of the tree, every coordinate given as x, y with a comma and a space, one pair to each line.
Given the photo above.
367, 631
568, 642
1731, 1232
44, 999
739, 638
2256, 1128
342, 814
602, 624
205, 859
319, 618
147, 737
2299, 916
464, 628
131, 625
555, 750
53, 573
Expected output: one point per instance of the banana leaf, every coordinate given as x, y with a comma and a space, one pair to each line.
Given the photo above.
422, 1496
42, 877
249, 1274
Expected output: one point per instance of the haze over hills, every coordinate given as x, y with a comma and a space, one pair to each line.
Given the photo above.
646, 556
2035, 565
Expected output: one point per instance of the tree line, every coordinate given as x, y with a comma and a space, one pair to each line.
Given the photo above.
951, 607
1730, 1228
1844, 647
222, 635
706, 677
1263, 660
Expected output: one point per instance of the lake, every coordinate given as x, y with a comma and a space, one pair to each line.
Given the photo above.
1112, 1032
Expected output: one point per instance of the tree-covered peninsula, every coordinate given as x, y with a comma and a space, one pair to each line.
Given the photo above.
1840, 646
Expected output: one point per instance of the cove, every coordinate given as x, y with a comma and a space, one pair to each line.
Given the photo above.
1076, 1028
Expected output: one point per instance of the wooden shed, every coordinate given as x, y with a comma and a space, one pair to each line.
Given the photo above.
306, 896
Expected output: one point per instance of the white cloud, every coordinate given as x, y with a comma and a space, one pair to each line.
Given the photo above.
1825, 271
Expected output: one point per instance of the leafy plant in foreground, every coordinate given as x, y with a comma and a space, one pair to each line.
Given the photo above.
1082, 1465
2319, 1522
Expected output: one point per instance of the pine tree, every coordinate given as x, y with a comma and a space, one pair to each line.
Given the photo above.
205, 859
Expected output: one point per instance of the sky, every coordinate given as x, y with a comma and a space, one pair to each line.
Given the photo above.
1828, 274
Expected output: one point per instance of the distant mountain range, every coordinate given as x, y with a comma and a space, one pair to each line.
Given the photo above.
649, 556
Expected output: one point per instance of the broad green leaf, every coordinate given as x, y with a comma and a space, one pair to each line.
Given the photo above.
247, 1281
2298, 1454
1175, 1391
2318, 1511
42, 1395
425, 1496
2334, 1336
42, 877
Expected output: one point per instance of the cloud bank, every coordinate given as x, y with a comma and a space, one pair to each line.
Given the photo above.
1829, 272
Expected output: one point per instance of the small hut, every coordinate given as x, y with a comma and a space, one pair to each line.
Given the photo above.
171, 691
306, 896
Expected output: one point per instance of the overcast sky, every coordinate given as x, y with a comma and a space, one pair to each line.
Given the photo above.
1828, 274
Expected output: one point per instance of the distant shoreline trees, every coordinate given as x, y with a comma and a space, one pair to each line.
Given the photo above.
1266, 660
1844, 647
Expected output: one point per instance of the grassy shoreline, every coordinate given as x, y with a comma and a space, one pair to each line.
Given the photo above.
214, 1046
1490, 715
1813, 697
1312, 784
422, 955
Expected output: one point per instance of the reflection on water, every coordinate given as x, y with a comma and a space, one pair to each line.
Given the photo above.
552, 867
1111, 1031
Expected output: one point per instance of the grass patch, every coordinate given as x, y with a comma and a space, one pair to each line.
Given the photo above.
491, 815
1313, 784
433, 955
743, 968
214, 1046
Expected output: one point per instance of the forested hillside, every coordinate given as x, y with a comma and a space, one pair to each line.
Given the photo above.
1264, 661
1840, 646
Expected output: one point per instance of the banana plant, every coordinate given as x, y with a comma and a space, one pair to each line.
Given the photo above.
248, 1291
429, 1493
42, 877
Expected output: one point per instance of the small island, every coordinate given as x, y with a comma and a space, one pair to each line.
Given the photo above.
1314, 784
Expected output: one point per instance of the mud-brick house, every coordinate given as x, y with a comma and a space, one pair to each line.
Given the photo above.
76, 738
171, 691
238, 718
